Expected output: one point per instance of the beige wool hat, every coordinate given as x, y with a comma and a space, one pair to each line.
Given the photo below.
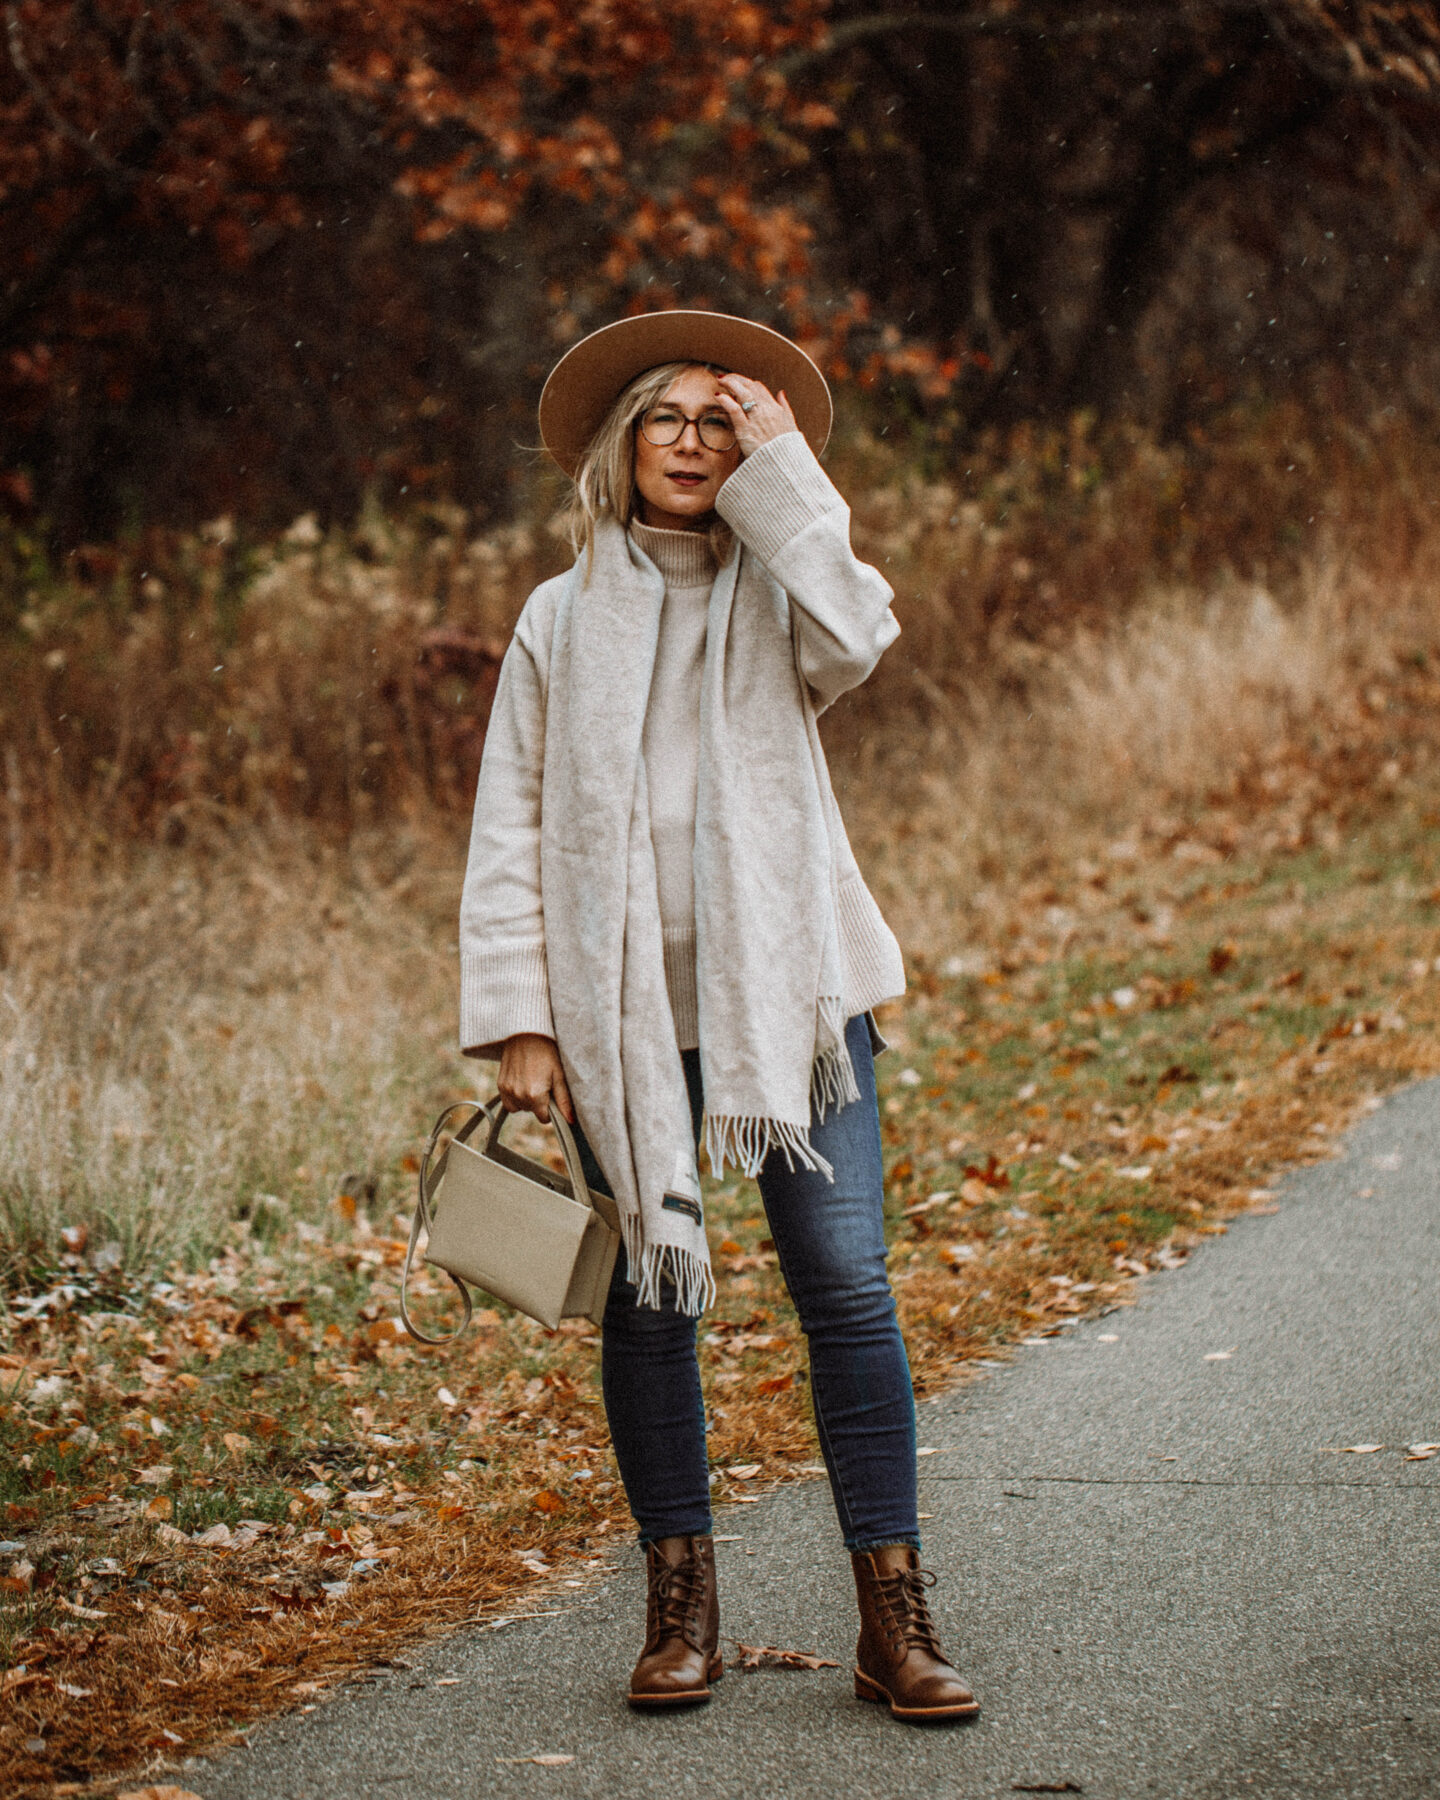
586, 380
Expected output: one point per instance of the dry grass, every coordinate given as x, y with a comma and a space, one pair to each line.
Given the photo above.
207, 1032
1231, 696
171, 687
176, 687
194, 1038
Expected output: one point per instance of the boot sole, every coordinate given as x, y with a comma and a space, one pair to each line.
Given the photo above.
664, 1702
866, 1689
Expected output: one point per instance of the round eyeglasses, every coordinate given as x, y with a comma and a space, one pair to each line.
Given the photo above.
665, 425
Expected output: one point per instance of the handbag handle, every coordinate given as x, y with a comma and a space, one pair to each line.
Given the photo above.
428, 1182
574, 1169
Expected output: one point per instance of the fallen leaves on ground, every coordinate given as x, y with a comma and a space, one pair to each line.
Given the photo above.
750, 1657
319, 1506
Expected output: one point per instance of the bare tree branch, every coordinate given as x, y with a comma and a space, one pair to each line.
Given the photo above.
40, 94
134, 74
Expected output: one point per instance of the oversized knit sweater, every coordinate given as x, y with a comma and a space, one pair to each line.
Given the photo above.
784, 509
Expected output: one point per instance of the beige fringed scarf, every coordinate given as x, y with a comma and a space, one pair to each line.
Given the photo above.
772, 1025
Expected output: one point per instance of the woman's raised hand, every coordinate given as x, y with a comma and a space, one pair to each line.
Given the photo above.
532, 1077
768, 415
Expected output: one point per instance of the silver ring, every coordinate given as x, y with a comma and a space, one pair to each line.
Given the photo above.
747, 407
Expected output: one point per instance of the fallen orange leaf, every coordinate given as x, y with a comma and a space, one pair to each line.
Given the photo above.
764, 1656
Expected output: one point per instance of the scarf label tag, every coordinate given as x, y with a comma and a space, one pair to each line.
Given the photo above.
682, 1203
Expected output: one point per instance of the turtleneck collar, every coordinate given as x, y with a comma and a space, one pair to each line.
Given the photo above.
684, 558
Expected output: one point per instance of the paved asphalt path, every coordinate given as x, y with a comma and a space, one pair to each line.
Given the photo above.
1158, 1575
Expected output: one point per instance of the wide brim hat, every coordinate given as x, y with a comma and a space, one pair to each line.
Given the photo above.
585, 382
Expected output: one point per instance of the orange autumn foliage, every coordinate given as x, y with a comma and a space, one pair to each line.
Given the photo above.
283, 254
149, 151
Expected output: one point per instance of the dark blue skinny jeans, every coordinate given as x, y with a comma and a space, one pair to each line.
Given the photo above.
831, 1245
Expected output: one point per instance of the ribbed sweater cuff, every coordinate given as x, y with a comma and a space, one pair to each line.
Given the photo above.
777, 492
503, 992
680, 984
874, 967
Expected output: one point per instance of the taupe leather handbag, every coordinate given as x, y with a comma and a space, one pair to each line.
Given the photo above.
541, 1242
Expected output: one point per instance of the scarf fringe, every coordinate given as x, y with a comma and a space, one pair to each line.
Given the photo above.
649, 1266
832, 1080
744, 1143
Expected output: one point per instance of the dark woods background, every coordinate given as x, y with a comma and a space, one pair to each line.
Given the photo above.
267, 256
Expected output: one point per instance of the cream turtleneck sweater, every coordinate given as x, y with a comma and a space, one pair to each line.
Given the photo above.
672, 752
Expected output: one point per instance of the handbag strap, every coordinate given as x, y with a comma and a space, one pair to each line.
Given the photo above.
427, 1185
429, 1182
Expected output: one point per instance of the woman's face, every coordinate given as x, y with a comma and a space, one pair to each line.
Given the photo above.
678, 483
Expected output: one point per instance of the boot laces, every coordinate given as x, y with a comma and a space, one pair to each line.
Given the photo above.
676, 1594
908, 1611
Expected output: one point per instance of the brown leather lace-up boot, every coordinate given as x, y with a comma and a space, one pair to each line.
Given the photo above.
898, 1660
682, 1625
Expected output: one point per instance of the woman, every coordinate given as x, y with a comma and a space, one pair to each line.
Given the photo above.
663, 921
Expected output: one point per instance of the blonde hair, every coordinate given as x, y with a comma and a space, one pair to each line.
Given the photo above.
605, 479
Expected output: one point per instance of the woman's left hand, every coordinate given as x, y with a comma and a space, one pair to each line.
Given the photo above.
768, 415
